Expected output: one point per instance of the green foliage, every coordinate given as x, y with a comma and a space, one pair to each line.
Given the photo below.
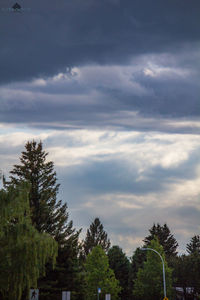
194, 245
50, 216
67, 273
137, 261
99, 275
95, 236
47, 214
23, 250
194, 272
182, 268
120, 264
187, 272
165, 238
149, 282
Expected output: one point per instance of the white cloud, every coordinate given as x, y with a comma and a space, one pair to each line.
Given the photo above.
142, 150
39, 82
126, 242
157, 71
20, 138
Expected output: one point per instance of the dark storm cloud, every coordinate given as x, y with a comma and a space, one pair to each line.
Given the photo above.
54, 35
123, 97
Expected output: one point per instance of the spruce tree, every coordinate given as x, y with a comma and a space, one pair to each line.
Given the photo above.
50, 216
47, 214
95, 236
194, 245
165, 238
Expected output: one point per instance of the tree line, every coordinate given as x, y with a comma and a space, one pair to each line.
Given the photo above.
39, 246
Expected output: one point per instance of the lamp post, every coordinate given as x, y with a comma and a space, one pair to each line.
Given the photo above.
164, 282
98, 292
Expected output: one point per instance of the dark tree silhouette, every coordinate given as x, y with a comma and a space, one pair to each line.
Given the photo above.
120, 264
165, 238
48, 214
194, 245
95, 236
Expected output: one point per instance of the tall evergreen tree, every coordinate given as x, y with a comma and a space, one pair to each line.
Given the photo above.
194, 245
165, 238
95, 236
49, 215
23, 250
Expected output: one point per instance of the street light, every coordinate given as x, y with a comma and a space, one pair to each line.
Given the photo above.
98, 292
164, 282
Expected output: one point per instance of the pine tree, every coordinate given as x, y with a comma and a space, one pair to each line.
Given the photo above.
23, 250
95, 236
194, 245
165, 238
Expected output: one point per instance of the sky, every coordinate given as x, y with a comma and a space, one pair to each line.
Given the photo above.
112, 90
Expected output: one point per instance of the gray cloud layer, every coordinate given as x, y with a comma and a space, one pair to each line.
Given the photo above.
53, 35
128, 62
123, 97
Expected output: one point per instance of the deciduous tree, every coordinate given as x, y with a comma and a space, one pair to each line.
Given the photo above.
99, 275
23, 250
149, 282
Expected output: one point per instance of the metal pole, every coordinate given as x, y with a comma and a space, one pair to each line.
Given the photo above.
164, 282
98, 292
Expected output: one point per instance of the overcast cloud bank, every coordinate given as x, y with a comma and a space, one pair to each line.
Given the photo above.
112, 89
